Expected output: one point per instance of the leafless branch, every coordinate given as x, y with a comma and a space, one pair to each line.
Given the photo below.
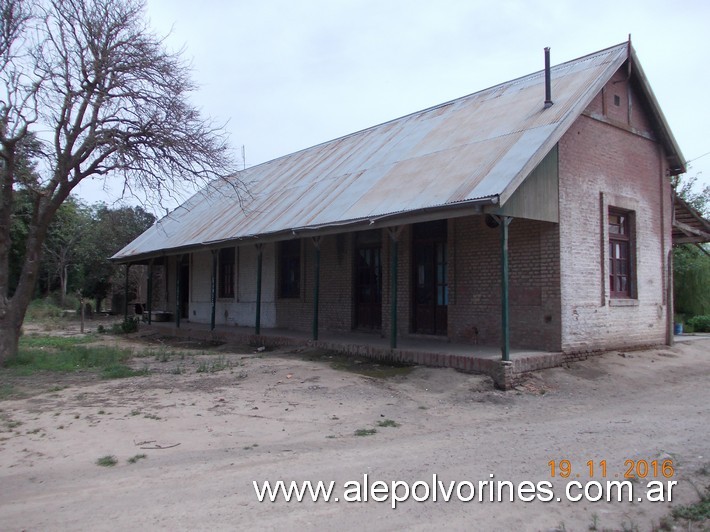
103, 97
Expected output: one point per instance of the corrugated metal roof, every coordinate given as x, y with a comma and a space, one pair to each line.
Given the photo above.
476, 148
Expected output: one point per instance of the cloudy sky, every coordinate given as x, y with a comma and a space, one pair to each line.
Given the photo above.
288, 74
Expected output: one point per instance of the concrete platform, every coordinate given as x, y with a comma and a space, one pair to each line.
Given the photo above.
426, 351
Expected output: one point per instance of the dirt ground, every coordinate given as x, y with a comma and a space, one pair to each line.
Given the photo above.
211, 422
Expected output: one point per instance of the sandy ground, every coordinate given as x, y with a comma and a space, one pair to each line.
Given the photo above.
207, 436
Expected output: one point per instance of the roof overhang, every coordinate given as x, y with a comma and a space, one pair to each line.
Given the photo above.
676, 161
689, 227
456, 210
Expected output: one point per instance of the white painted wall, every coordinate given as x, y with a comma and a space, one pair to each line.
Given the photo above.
240, 310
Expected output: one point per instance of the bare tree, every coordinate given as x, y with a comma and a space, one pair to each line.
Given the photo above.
105, 98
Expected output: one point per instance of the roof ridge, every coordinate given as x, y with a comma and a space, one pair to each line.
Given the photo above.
443, 104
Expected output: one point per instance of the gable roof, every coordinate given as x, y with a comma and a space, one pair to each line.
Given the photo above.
463, 154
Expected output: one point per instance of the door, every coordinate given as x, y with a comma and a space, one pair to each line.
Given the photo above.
430, 269
368, 281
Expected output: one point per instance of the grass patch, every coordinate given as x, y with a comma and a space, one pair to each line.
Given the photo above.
134, 459
68, 354
356, 364
55, 342
6, 391
107, 461
120, 371
213, 366
64, 354
699, 511
387, 423
365, 432
162, 356
10, 424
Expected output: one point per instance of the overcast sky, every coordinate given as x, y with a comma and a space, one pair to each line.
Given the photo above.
284, 75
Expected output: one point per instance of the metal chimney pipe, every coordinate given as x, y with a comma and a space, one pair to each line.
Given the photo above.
548, 82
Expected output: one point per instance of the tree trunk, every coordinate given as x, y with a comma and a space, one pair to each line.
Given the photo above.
13, 309
9, 336
63, 280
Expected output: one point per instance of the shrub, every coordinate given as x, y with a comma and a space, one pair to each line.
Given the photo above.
700, 323
42, 309
70, 302
107, 461
129, 325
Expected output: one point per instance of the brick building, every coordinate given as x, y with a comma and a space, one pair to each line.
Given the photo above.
534, 214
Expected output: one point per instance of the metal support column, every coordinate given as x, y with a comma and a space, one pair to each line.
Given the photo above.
150, 292
213, 289
394, 237
259, 259
505, 307
125, 295
316, 287
178, 291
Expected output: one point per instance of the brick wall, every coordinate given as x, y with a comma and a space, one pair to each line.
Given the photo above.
608, 158
335, 288
475, 283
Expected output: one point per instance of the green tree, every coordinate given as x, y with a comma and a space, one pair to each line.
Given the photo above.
112, 229
687, 189
110, 101
691, 281
691, 263
65, 236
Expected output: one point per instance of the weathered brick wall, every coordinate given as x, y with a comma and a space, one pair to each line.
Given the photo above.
475, 283
606, 160
474, 313
335, 288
